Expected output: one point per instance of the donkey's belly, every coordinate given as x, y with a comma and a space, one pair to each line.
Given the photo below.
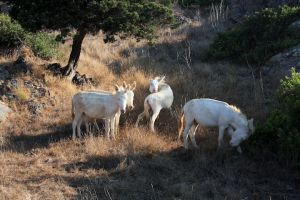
206, 121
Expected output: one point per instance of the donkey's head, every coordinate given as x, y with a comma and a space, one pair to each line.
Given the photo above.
154, 83
130, 95
238, 136
121, 97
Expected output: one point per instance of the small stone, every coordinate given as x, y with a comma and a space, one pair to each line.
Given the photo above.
34, 107
14, 83
4, 111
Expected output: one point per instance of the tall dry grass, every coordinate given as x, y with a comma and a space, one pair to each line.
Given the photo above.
40, 161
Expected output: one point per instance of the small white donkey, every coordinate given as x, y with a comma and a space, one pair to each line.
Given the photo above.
211, 113
92, 105
161, 97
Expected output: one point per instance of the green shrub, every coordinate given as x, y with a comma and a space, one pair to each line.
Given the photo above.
11, 32
187, 3
281, 132
260, 37
12, 35
42, 44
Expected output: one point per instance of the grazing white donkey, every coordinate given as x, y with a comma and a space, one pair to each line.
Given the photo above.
114, 123
211, 113
94, 105
161, 97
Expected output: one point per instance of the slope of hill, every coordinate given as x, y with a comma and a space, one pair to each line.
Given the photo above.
40, 161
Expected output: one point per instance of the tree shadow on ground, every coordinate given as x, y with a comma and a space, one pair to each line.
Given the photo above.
25, 143
182, 174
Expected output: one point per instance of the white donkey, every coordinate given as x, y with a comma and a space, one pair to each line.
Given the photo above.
114, 123
161, 97
94, 105
211, 113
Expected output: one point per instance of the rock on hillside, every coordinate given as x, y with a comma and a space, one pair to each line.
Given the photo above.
280, 65
296, 25
4, 111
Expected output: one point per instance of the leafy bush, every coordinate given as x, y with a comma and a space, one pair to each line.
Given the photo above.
260, 37
281, 132
12, 35
187, 3
42, 44
11, 31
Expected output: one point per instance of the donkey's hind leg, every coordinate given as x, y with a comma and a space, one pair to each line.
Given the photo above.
76, 119
186, 134
153, 118
141, 116
96, 125
192, 135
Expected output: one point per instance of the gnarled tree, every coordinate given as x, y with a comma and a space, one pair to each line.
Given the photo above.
136, 18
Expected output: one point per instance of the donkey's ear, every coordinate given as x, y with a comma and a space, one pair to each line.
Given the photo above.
162, 79
117, 88
251, 125
124, 85
250, 121
133, 86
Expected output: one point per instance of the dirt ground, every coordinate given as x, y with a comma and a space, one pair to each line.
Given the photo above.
138, 165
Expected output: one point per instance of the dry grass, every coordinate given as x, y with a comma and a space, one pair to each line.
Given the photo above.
40, 161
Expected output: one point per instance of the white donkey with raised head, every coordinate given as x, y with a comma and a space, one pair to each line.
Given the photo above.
212, 113
161, 97
114, 123
93, 105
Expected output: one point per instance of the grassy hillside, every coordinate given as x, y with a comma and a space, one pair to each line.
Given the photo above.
40, 161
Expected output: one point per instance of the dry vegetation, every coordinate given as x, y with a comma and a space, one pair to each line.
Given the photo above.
40, 161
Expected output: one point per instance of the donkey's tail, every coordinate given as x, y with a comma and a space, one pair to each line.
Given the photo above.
180, 125
147, 108
73, 114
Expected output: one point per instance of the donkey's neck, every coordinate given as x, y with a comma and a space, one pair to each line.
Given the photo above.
163, 86
240, 121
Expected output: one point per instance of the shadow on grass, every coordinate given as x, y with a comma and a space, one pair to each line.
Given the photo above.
25, 143
180, 174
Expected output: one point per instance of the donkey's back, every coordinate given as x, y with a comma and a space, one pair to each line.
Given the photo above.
94, 104
208, 112
164, 97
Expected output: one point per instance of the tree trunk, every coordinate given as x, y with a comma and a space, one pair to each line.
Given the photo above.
69, 69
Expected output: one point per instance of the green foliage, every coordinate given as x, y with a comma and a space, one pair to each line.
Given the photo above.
42, 44
12, 35
11, 31
125, 17
260, 37
187, 3
281, 132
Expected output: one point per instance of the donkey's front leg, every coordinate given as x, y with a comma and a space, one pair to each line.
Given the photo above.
221, 135
107, 127
186, 134
112, 127
239, 149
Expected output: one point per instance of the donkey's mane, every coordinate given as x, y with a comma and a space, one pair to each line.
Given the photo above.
237, 110
162, 86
